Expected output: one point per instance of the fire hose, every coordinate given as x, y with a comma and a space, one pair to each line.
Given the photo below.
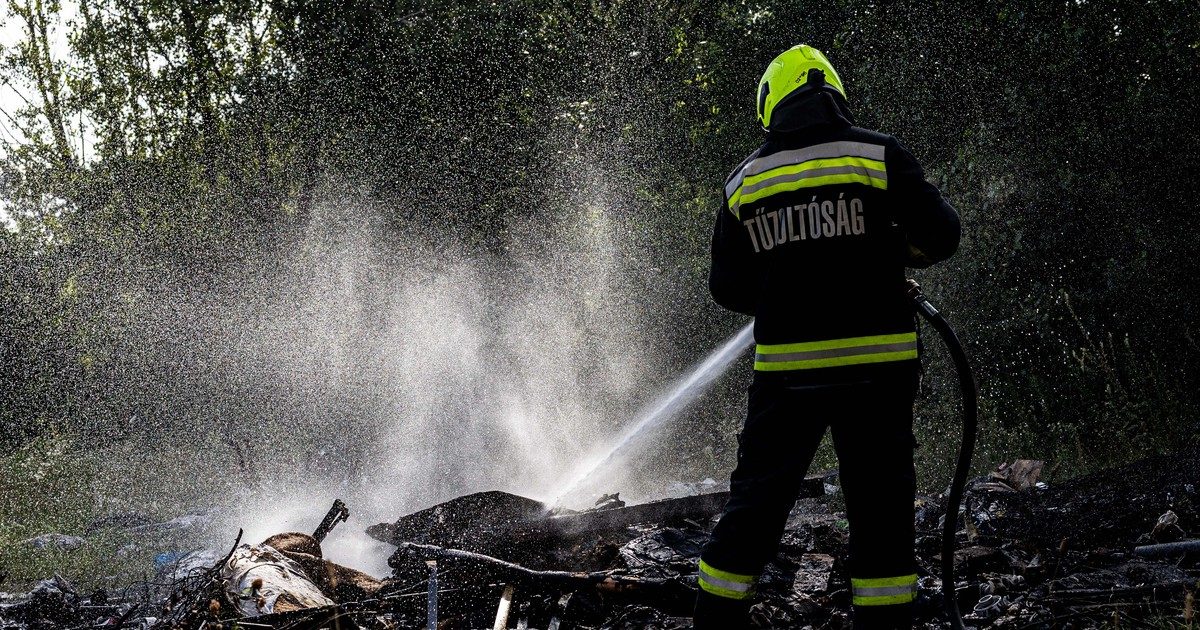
970, 426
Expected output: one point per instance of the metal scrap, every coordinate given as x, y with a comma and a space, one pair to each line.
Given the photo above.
336, 514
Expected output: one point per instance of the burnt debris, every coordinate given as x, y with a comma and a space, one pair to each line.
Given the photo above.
1118, 547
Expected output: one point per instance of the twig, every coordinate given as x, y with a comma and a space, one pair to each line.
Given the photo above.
419, 583
236, 541
603, 580
1149, 589
192, 589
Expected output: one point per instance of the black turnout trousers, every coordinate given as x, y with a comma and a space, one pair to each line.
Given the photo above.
871, 420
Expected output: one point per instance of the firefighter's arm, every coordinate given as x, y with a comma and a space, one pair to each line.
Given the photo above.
930, 224
729, 278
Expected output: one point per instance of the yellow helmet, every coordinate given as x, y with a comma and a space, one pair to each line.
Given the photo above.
788, 73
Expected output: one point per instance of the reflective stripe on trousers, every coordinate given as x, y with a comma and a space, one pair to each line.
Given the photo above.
884, 591
835, 352
725, 584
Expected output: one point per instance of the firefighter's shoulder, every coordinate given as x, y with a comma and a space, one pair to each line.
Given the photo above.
737, 171
893, 146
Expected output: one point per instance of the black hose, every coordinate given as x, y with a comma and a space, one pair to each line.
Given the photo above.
970, 421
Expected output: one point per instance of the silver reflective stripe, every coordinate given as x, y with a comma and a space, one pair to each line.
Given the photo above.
884, 591
733, 586
836, 352
815, 152
813, 173
733, 184
736, 178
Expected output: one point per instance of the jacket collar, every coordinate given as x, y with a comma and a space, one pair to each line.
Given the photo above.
818, 109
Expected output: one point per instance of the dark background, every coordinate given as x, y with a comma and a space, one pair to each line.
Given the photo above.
1065, 133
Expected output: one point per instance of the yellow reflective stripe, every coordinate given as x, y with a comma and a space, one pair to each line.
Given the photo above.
859, 359
865, 171
823, 151
884, 591
708, 569
792, 169
738, 198
734, 202
813, 182
901, 580
830, 344
724, 583
836, 352
723, 592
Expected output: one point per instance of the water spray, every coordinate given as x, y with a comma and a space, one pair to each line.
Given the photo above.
716, 364
686, 390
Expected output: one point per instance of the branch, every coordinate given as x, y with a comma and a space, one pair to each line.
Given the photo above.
17, 125
8, 83
600, 580
47, 79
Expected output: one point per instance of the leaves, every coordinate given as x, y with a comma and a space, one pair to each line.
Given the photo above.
178, 142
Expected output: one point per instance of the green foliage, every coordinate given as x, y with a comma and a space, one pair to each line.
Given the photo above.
178, 144
61, 484
46, 477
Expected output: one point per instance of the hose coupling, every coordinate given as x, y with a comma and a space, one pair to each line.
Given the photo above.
918, 298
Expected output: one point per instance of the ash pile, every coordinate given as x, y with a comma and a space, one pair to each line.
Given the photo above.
1114, 548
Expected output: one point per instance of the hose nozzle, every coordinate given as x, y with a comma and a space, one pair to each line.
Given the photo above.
912, 289
918, 298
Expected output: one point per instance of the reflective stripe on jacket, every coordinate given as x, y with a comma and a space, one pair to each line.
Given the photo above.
817, 227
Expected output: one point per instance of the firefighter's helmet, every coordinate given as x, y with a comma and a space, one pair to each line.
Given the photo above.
797, 70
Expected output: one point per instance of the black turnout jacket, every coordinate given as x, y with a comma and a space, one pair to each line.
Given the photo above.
817, 228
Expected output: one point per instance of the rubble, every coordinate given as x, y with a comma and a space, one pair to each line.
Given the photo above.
461, 519
338, 513
1167, 528
1109, 546
1021, 474
265, 581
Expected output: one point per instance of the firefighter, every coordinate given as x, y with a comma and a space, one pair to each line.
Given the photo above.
816, 230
